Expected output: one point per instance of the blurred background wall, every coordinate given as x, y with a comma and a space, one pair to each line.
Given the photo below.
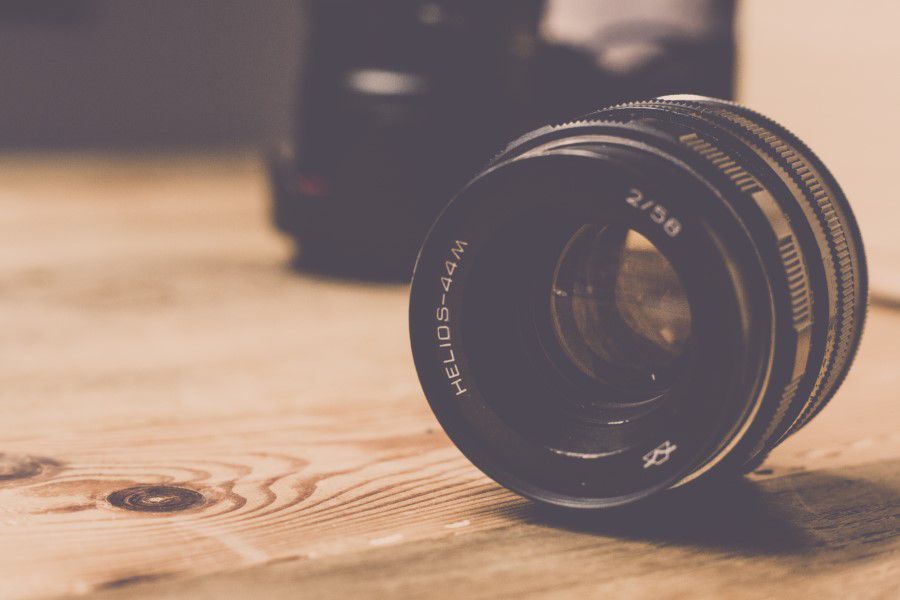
201, 73
828, 70
101, 73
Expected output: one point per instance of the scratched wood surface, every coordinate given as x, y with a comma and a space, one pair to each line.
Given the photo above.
186, 417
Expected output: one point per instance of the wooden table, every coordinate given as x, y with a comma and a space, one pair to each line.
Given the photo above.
184, 416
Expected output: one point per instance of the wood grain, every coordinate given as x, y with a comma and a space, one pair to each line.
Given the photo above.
186, 417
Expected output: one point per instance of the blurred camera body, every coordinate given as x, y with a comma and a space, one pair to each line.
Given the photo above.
400, 100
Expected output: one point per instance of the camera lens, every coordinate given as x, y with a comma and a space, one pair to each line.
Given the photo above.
657, 292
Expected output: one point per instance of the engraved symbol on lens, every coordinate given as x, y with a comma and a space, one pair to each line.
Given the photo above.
659, 455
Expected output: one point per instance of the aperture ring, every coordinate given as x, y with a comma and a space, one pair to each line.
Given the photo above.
796, 274
786, 154
820, 197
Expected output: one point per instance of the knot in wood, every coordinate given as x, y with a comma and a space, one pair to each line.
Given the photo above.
156, 498
13, 467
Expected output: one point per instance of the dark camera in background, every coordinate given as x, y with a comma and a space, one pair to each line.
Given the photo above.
401, 100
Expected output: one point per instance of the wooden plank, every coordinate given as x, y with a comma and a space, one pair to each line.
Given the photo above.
823, 534
159, 353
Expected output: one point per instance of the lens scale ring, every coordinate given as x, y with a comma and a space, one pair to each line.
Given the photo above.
822, 198
795, 272
796, 163
841, 340
797, 280
794, 268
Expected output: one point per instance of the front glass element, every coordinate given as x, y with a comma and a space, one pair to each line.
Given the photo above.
619, 311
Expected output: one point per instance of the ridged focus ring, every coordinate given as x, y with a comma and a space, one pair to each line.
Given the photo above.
840, 248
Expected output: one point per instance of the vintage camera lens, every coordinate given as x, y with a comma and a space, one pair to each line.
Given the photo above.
621, 304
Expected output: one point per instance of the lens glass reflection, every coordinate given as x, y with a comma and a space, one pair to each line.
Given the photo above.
619, 311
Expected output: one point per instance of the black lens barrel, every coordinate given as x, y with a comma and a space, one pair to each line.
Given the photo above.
756, 229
